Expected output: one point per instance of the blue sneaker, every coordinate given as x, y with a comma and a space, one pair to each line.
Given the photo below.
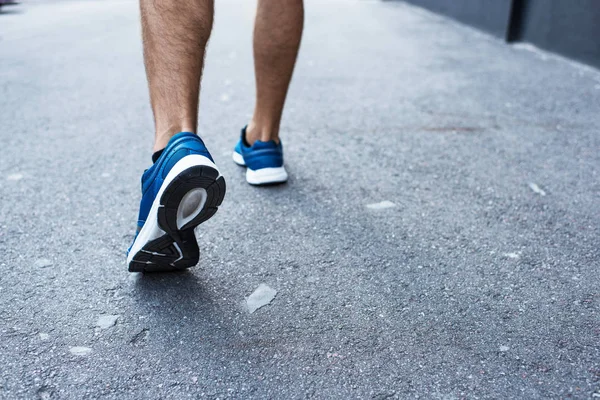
263, 160
180, 191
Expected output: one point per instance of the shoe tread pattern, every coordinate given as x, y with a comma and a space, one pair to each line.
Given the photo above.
162, 254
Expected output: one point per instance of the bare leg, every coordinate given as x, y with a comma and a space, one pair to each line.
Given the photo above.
277, 34
175, 33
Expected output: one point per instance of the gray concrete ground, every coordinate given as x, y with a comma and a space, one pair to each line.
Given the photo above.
481, 281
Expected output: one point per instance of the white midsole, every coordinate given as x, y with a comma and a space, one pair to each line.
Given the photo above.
265, 176
238, 159
261, 176
151, 230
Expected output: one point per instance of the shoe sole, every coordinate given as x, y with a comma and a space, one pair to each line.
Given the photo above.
191, 194
263, 176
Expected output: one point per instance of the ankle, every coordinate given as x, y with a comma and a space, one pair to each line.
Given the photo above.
164, 134
264, 133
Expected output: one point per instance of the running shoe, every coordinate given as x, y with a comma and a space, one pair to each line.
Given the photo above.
263, 161
180, 191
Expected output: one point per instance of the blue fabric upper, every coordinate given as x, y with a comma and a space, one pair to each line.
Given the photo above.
260, 154
180, 145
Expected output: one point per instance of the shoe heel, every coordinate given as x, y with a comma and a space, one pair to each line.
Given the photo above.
190, 199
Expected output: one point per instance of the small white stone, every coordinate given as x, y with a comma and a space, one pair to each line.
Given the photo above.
106, 321
262, 296
14, 177
44, 336
514, 256
80, 350
105, 175
381, 205
43, 263
536, 189
504, 348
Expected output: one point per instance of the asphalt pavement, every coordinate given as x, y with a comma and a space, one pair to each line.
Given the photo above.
439, 236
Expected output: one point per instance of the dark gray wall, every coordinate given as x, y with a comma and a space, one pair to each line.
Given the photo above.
569, 27
490, 15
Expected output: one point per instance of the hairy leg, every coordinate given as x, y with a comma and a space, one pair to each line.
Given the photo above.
277, 34
175, 33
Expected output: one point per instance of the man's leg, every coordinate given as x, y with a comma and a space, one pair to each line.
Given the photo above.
277, 34
175, 33
183, 188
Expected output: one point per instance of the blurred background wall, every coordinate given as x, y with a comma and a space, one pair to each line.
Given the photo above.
567, 27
